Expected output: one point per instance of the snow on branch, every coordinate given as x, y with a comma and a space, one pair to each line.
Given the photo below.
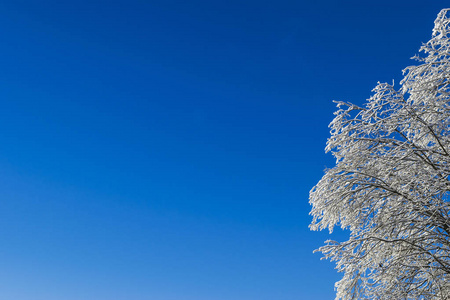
391, 184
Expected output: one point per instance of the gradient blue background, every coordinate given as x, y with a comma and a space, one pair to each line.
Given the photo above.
165, 149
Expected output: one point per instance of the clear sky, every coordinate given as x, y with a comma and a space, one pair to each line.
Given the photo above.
164, 150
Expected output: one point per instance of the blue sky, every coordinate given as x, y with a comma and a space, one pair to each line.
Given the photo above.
165, 149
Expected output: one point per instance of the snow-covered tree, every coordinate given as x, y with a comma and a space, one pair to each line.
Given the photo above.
391, 184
